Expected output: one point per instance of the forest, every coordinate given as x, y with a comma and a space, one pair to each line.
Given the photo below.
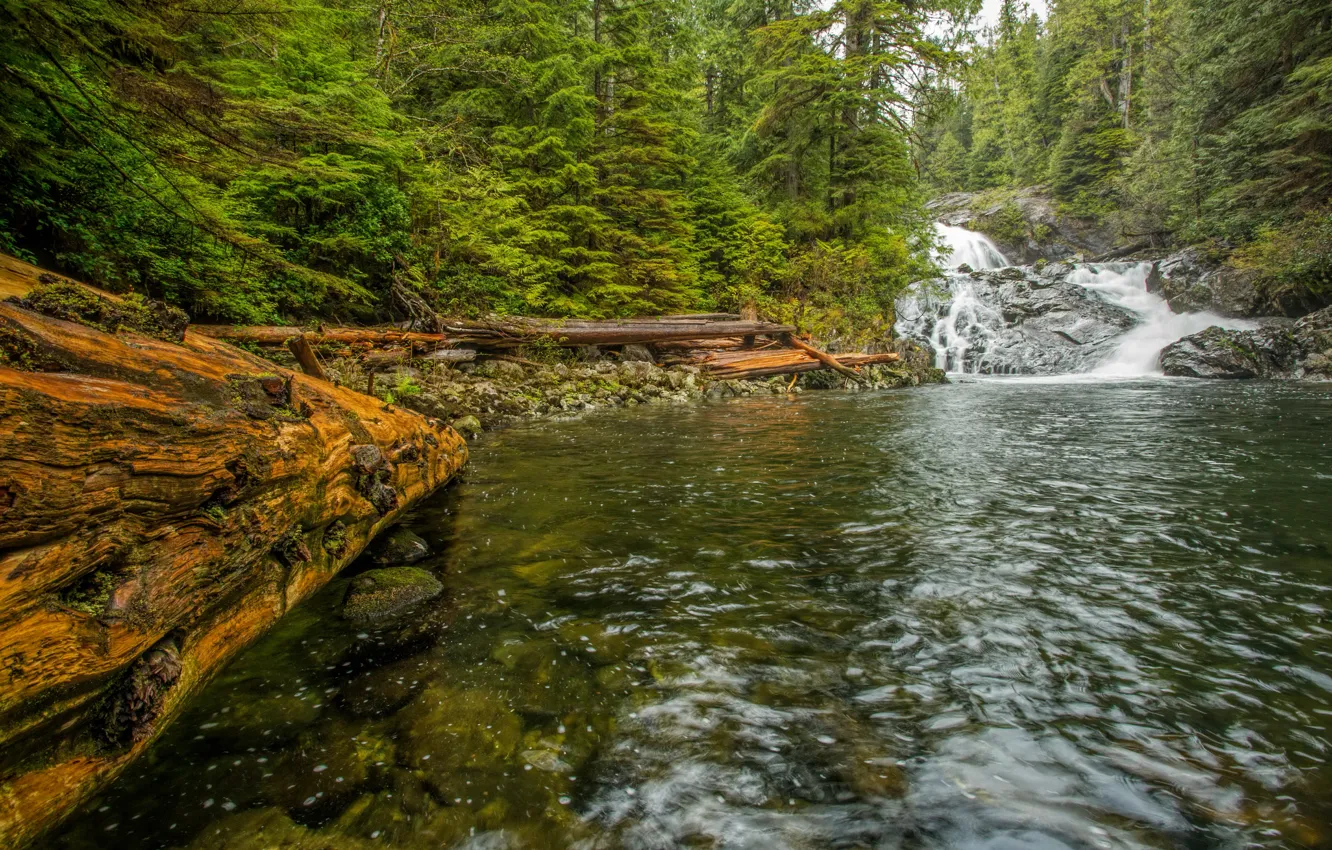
1179, 122
254, 161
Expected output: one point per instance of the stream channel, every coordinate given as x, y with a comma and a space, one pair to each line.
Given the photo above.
1000, 613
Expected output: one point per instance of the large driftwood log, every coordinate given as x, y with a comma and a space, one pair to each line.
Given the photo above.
161, 505
510, 333
739, 365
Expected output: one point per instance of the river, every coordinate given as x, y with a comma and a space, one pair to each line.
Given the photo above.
1001, 613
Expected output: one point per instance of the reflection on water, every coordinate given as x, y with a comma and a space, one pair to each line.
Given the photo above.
990, 615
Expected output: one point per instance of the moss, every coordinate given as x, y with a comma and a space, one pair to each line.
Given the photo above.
216, 513
335, 539
380, 594
70, 302
19, 351
91, 593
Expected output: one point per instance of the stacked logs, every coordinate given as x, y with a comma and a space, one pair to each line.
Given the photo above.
164, 498
722, 345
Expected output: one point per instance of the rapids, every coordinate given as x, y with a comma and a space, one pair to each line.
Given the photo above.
1096, 319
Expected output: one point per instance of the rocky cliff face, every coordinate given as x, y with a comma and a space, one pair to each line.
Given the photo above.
1026, 224
1190, 282
1301, 349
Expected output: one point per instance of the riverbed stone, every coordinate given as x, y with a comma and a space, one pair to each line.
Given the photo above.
380, 691
502, 369
447, 732
636, 353
380, 594
1268, 352
266, 829
401, 547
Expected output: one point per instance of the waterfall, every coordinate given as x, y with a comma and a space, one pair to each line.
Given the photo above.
969, 321
965, 246
1095, 320
1140, 348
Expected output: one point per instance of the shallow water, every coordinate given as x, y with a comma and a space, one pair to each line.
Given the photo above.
985, 615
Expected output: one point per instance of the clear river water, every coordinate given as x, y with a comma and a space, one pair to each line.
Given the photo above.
993, 614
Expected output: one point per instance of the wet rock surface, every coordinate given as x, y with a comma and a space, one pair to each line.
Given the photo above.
400, 547
1190, 283
377, 595
1220, 353
1281, 350
1027, 224
1016, 320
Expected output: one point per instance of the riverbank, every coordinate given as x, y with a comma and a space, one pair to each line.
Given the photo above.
477, 397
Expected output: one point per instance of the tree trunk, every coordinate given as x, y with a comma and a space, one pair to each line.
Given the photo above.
162, 504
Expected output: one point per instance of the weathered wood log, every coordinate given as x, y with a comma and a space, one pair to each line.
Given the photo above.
517, 332
277, 335
372, 360
509, 333
161, 505
822, 356
781, 362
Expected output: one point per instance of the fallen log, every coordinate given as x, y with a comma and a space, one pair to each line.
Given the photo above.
162, 504
372, 360
277, 335
782, 362
509, 333
822, 356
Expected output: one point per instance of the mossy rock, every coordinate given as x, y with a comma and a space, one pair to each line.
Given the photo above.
469, 426
380, 594
400, 548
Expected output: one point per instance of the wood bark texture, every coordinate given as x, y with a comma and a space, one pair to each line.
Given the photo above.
162, 504
738, 365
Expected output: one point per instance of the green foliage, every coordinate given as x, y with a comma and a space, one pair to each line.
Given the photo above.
1175, 119
290, 159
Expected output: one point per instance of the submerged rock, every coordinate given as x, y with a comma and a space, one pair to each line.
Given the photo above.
399, 548
380, 594
468, 426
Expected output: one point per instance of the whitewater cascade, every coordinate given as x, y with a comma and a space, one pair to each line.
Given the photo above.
966, 246
1063, 318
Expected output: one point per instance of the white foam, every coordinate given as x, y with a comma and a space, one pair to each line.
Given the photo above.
965, 246
1139, 351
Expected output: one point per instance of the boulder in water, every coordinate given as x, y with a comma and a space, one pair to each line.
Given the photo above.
380, 594
1280, 349
1190, 283
399, 548
1268, 352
